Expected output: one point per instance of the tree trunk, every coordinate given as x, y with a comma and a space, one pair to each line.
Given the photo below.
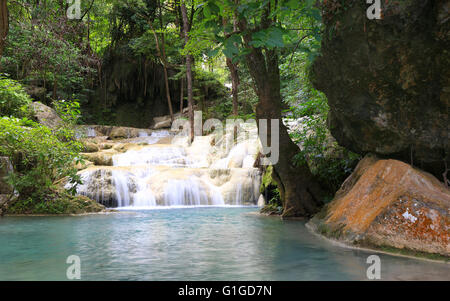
164, 59
181, 95
55, 87
188, 71
4, 24
160, 49
169, 101
300, 193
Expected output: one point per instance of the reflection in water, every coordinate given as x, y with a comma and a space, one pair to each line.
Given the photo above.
187, 244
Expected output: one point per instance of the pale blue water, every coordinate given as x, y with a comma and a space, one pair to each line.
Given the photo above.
187, 244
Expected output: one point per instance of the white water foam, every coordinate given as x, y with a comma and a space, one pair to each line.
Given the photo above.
173, 176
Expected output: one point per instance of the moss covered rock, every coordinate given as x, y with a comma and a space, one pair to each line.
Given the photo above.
55, 202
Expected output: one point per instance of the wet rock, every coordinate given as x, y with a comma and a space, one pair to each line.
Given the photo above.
100, 158
96, 130
388, 81
100, 185
90, 147
46, 115
387, 203
106, 146
162, 122
87, 132
118, 132
165, 122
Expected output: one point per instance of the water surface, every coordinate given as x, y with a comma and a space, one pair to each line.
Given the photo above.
187, 244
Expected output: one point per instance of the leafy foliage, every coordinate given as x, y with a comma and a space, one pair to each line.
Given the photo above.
14, 100
40, 157
44, 51
291, 19
69, 111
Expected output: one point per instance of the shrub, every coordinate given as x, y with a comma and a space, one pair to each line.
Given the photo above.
69, 111
41, 158
14, 100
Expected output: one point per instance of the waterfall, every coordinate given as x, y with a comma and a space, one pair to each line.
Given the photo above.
121, 184
170, 156
157, 173
90, 132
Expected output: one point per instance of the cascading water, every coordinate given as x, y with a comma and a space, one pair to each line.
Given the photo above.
156, 171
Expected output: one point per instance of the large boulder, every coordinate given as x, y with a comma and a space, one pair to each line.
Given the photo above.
389, 204
388, 80
46, 115
161, 122
164, 122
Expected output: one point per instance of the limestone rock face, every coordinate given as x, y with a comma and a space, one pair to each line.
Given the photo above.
46, 115
388, 80
389, 203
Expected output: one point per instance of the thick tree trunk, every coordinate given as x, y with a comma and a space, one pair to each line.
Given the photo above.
299, 190
188, 71
300, 193
4, 24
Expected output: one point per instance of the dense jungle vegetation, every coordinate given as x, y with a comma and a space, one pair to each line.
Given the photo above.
229, 58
